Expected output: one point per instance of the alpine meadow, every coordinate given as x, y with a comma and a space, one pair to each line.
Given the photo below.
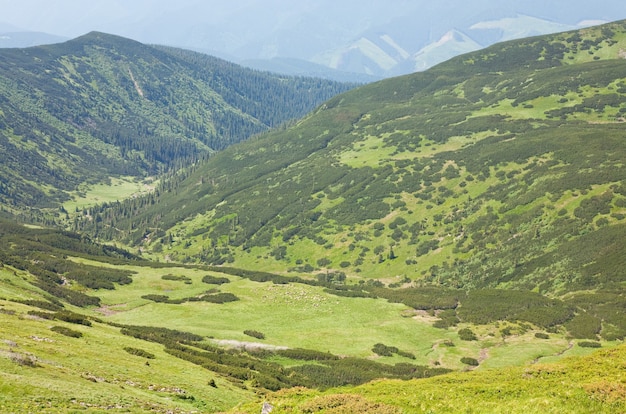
182, 234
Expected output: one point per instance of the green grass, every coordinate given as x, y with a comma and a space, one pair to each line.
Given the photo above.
94, 373
291, 315
302, 316
117, 189
594, 383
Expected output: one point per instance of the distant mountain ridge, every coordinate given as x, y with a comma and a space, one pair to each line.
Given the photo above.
378, 39
28, 39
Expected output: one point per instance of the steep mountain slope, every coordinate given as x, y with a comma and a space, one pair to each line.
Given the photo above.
101, 106
501, 169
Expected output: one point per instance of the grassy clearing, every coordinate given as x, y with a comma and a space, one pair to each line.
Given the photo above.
117, 189
289, 315
302, 316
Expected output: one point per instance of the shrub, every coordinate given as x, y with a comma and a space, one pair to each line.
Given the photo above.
254, 334
213, 280
470, 361
43, 304
139, 352
66, 331
466, 334
542, 335
589, 344
42, 315
72, 317
220, 298
176, 278
584, 326
384, 350
306, 354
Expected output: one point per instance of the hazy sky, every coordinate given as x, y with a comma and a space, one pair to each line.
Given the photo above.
75, 17
302, 29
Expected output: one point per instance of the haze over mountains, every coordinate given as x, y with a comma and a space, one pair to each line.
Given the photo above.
367, 40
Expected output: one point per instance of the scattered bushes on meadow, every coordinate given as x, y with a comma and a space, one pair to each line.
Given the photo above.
246, 365
384, 350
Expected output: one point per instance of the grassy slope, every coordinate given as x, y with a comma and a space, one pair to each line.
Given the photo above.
93, 372
593, 383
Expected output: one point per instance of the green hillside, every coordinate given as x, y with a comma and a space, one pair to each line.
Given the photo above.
498, 169
77, 113
592, 384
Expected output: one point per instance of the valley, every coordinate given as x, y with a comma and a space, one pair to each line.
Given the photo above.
180, 235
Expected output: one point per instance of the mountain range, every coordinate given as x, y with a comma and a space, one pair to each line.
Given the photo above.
351, 40
469, 217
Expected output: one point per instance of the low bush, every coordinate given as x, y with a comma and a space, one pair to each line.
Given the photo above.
177, 278
470, 361
254, 334
139, 352
466, 334
213, 280
72, 317
66, 331
590, 344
